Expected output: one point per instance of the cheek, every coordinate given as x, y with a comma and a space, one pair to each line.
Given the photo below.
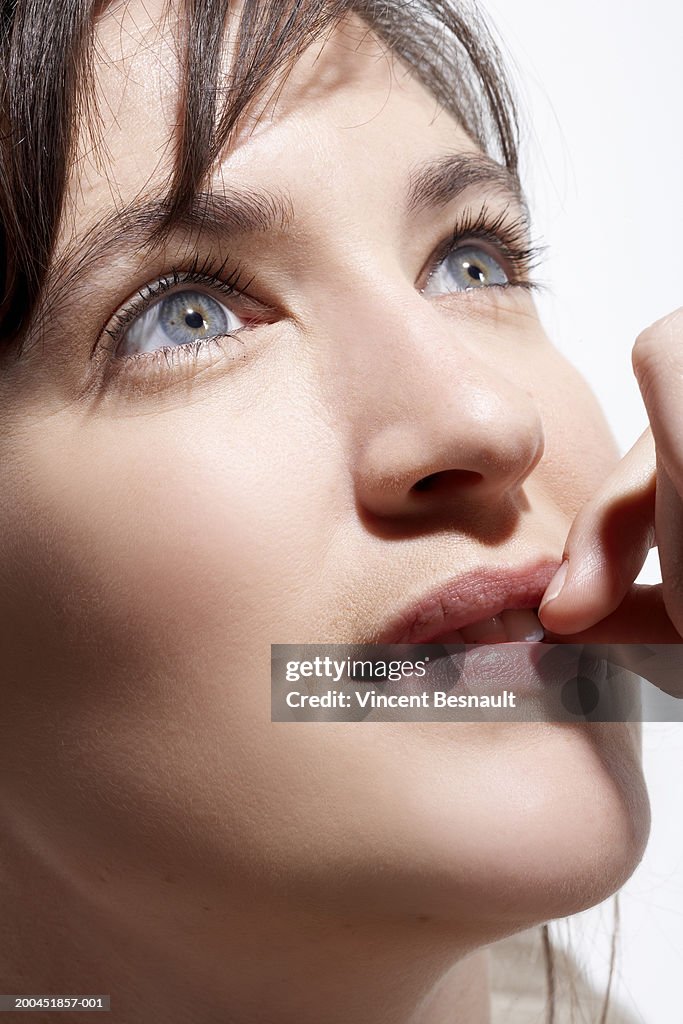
580, 450
150, 566
154, 523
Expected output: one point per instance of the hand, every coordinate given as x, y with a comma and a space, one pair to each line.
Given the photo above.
592, 598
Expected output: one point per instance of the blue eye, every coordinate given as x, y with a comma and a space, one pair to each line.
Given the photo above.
179, 319
464, 268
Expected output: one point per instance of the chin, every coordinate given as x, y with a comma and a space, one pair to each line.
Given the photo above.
548, 821
571, 827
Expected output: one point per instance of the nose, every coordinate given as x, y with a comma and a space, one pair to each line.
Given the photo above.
435, 420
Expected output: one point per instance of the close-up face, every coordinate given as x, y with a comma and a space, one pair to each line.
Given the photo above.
177, 498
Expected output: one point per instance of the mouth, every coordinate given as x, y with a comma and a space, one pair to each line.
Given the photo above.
489, 606
512, 625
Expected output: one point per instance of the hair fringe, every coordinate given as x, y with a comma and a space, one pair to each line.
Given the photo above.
47, 96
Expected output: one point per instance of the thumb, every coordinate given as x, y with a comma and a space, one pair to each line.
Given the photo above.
641, 618
606, 546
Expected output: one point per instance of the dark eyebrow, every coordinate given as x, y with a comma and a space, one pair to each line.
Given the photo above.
249, 210
241, 211
438, 182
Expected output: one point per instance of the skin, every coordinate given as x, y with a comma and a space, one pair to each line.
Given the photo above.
638, 506
163, 840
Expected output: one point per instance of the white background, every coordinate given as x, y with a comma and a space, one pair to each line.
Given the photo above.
601, 85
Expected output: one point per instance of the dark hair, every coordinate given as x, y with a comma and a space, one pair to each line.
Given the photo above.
47, 93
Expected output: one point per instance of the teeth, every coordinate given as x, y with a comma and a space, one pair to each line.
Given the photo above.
522, 624
488, 631
514, 625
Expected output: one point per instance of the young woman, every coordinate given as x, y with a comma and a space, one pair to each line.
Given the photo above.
272, 372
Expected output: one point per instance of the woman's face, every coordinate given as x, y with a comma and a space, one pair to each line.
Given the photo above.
164, 521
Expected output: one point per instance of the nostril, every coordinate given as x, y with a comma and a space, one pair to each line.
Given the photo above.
425, 484
448, 478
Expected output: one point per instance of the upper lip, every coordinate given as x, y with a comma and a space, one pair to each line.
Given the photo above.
468, 598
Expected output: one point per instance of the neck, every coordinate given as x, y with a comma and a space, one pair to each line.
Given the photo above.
258, 963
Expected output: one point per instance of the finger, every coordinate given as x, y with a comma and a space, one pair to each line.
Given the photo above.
658, 366
641, 618
661, 664
669, 530
625, 637
606, 546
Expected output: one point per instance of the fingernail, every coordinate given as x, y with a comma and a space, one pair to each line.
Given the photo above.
555, 585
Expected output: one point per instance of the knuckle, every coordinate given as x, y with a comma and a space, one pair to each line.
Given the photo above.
646, 350
658, 352
659, 336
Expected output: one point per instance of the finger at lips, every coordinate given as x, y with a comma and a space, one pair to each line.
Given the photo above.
658, 365
607, 545
669, 531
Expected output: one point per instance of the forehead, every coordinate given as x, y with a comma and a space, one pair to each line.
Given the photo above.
347, 95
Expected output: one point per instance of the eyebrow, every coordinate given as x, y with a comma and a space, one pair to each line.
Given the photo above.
137, 226
244, 211
436, 183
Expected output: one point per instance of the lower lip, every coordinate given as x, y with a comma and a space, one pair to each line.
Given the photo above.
473, 668
535, 673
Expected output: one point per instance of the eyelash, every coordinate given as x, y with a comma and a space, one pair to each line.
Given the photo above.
208, 272
508, 236
507, 233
